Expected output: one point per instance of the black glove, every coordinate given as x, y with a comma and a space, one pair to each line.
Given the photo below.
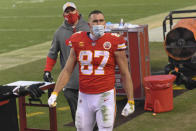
33, 90
47, 76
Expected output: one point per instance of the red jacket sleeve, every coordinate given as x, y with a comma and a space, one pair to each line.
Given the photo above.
49, 64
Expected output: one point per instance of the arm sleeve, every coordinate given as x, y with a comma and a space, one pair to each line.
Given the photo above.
6, 92
49, 64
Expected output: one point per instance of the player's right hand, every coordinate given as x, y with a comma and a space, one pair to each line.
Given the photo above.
52, 99
47, 76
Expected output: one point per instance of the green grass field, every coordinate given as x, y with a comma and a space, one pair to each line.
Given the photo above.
24, 23
181, 118
28, 22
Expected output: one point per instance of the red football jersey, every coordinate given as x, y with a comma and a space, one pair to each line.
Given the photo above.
96, 60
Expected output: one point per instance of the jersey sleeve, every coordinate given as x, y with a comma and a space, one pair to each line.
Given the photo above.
73, 39
120, 43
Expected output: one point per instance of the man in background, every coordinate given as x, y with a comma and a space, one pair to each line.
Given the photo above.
73, 22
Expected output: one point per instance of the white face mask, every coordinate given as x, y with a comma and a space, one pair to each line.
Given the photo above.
98, 30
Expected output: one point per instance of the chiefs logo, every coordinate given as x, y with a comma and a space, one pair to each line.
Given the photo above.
107, 45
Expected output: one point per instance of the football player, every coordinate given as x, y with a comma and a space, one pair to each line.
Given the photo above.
97, 53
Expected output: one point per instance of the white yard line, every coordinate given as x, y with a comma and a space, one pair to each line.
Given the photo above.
24, 55
30, 16
27, 30
29, 1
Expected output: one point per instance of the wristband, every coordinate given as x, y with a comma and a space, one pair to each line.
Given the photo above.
54, 93
131, 102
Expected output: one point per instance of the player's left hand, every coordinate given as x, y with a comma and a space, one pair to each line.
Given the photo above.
129, 108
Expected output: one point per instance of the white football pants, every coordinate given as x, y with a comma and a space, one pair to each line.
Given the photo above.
92, 108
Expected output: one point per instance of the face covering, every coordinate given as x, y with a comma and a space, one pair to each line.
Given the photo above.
71, 18
98, 30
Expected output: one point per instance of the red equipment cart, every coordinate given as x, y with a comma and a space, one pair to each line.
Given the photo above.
138, 58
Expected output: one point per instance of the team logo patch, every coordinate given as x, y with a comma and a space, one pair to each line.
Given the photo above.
107, 45
81, 44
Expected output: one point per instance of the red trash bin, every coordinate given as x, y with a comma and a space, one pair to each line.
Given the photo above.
159, 93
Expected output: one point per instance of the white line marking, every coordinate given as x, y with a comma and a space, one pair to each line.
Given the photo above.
30, 1
15, 17
28, 30
24, 55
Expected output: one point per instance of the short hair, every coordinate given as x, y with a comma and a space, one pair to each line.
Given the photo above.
94, 12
